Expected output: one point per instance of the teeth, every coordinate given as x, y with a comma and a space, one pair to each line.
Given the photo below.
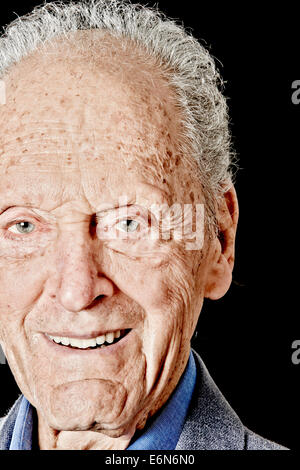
109, 337
87, 343
76, 343
65, 341
57, 339
100, 339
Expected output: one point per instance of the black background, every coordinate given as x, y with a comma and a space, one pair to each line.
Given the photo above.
245, 338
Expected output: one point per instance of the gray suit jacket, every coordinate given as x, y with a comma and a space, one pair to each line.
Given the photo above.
211, 423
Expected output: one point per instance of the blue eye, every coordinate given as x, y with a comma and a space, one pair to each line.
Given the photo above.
128, 225
22, 227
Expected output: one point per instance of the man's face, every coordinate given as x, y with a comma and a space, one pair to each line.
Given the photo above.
74, 141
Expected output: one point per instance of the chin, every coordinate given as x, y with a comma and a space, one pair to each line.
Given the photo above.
85, 423
111, 432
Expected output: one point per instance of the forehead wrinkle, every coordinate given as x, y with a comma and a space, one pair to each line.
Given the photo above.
46, 139
141, 117
140, 136
130, 156
36, 127
137, 93
138, 126
39, 186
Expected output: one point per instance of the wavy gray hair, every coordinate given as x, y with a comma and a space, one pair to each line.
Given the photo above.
190, 70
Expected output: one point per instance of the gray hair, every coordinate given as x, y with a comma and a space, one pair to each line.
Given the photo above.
190, 69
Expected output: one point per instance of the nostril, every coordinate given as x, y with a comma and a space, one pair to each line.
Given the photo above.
96, 300
99, 297
93, 226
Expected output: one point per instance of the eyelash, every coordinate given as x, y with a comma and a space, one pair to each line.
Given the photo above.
127, 219
9, 235
111, 224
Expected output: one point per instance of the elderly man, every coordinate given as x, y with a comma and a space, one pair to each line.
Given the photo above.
117, 219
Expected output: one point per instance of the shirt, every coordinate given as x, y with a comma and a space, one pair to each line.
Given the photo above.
161, 433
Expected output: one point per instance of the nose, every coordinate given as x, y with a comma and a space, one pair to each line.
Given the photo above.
80, 281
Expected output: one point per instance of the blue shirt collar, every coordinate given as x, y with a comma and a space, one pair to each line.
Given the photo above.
159, 435
22, 434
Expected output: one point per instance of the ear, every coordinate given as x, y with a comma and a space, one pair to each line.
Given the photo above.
222, 250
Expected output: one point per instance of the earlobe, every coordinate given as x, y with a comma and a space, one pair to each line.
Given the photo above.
219, 279
222, 251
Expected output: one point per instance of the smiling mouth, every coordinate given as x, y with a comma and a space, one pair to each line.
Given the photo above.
102, 341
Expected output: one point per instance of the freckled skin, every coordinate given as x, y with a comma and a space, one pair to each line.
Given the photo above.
74, 138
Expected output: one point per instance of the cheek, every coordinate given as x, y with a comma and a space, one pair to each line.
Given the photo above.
21, 283
163, 291
141, 282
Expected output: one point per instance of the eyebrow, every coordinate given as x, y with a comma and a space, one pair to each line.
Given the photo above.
156, 195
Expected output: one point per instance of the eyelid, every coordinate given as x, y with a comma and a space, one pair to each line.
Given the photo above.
5, 209
40, 224
115, 210
128, 218
18, 222
111, 221
15, 214
17, 208
107, 223
131, 212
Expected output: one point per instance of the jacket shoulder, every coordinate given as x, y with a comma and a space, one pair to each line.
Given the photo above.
211, 423
255, 442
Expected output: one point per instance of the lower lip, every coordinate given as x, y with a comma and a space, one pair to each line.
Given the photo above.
107, 350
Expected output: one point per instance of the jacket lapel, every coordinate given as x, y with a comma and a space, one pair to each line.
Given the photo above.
211, 423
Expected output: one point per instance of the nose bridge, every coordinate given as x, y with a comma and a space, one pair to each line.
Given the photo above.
77, 271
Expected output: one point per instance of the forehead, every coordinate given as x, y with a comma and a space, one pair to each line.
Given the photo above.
71, 117
106, 95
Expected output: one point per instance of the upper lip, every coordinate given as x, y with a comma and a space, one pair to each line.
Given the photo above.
68, 334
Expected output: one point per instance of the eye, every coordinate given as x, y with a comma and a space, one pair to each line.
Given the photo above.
22, 227
128, 225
